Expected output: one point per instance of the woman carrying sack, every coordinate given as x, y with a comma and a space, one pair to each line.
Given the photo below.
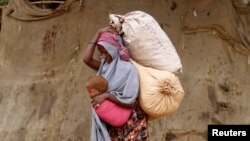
123, 88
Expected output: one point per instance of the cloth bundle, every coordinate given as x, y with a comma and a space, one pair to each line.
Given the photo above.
112, 113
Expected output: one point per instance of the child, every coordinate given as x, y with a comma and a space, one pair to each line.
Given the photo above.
108, 111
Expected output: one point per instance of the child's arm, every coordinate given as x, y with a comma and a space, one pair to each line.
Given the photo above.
100, 98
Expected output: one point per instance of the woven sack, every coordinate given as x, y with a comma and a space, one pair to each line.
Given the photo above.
160, 91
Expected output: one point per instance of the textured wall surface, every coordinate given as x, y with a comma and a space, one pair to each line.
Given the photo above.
42, 77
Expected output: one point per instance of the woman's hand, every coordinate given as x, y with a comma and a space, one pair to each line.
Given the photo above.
97, 100
107, 29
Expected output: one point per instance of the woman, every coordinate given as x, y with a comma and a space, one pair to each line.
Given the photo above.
123, 88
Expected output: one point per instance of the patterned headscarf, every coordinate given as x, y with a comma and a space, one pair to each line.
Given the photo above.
116, 41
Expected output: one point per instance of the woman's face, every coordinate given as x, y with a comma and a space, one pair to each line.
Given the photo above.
105, 54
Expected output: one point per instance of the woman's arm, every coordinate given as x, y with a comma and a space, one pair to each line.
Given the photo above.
115, 100
100, 98
88, 56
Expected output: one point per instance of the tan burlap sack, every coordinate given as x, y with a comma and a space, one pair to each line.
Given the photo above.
160, 91
148, 44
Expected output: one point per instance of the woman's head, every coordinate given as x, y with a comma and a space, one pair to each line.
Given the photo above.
105, 54
109, 46
96, 85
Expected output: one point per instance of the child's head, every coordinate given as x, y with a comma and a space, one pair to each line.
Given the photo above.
96, 85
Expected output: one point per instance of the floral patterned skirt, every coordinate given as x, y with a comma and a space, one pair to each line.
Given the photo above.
135, 129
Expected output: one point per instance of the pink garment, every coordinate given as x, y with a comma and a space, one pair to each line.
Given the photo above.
112, 113
112, 39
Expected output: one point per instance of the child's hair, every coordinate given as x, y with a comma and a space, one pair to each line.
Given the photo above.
98, 82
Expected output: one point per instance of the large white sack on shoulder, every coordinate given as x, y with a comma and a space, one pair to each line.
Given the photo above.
160, 91
148, 44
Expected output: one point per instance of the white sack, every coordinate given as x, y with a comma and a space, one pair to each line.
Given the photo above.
148, 44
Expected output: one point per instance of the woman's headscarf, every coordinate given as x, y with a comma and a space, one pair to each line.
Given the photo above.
123, 83
117, 42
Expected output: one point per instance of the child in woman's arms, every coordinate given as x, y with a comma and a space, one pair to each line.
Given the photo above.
107, 111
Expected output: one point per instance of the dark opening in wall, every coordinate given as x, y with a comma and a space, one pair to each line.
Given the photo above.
1, 13
47, 4
4, 2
